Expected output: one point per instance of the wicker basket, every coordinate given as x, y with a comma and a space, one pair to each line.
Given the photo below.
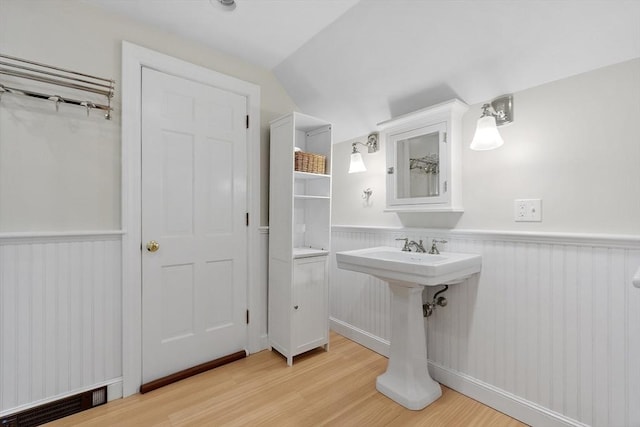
309, 162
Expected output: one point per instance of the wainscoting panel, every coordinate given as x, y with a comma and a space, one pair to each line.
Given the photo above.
552, 322
60, 315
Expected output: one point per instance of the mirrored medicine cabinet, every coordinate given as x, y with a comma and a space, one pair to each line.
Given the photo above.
423, 159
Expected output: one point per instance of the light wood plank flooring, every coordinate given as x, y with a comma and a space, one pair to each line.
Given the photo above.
334, 388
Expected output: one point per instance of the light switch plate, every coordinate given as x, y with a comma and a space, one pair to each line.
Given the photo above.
527, 210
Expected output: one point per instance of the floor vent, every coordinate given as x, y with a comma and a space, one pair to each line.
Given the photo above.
60, 408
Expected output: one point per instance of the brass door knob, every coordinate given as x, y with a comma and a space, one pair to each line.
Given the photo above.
153, 246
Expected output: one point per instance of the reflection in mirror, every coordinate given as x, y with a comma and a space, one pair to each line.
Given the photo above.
419, 166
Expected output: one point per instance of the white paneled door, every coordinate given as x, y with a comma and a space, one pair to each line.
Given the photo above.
194, 280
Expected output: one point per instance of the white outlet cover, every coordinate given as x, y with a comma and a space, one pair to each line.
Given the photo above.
527, 210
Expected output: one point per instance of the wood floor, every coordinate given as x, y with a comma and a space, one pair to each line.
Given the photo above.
334, 388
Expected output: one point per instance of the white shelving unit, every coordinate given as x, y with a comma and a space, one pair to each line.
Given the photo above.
299, 237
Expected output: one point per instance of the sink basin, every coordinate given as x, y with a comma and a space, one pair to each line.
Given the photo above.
407, 379
388, 263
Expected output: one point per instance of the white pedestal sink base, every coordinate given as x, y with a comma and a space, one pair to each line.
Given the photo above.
407, 380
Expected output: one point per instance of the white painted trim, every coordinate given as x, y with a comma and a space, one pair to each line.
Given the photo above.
111, 384
133, 59
363, 338
59, 236
114, 391
582, 239
510, 404
263, 341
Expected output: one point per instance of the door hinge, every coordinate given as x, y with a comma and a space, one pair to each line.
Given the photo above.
445, 137
445, 186
247, 121
247, 218
247, 317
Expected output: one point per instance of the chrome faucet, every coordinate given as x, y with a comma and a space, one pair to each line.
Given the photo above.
409, 244
434, 248
405, 247
418, 246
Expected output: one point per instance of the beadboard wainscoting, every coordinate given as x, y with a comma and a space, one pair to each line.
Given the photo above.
61, 316
548, 332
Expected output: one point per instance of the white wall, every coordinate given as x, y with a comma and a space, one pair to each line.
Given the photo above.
62, 171
574, 144
348, 206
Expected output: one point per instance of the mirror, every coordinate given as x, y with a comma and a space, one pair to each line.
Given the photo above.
418, 166
423, 159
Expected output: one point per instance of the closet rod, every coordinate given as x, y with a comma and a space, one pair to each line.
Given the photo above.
57, 99
57, 82
13, 58
49, 73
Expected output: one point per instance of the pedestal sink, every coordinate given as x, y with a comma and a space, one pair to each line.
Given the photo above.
407, 379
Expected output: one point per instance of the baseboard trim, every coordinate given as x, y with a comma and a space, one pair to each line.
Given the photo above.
186, 373
500, 400
363, 338
114, 391
528, 412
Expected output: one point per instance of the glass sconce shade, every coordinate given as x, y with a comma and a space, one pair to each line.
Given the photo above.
356, 165
487, 136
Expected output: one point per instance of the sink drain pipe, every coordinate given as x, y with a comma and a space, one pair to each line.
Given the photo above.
427, 309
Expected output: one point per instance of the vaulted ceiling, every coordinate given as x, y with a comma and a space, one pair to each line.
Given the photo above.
359, 62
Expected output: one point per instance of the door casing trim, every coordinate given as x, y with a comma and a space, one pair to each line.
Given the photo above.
133, 59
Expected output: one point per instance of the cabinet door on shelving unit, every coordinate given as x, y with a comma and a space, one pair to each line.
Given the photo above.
310, 317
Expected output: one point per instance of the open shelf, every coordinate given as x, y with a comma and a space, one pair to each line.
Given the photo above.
309, 175
307, 197
308, 252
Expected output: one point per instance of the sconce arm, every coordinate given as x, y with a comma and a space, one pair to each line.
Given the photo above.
500, 108
371, 144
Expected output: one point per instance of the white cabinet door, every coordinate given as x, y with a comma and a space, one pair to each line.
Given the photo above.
310, 292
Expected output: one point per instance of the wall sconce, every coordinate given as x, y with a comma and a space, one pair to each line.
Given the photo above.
356, 164
487, 136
